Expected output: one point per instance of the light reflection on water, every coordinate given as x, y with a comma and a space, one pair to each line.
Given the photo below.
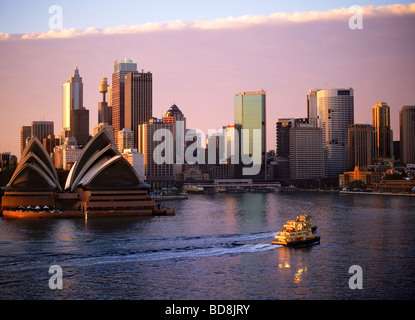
217, 247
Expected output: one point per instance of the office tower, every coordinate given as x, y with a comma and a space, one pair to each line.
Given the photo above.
360, 145
312, 103
138, 104
41, 129
335, 111
154, 162
104, 112
72, 98
80, 126
125, 139
283, 127
25, 134
306, 153
381, 131
121, 68
250, 113
407, 130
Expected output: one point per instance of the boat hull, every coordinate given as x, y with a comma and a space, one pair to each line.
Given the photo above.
299, 243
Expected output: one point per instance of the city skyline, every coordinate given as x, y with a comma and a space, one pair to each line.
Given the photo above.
284, 61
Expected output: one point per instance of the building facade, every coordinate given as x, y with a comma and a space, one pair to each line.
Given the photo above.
121, 68
250, 113
72, 98
407, 130
360, 145
307, 153
138, 104
381, 131
335, 109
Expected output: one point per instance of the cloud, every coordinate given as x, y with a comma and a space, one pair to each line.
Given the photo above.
221, 23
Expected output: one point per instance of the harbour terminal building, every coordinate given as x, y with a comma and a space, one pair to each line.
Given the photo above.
101, 183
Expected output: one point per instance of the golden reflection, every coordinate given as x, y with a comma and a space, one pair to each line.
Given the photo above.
299, 274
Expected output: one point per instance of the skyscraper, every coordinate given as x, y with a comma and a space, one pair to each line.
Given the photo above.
250, 114
138, 104
335, 111
25, 133
360, 145
381, 131
307, 153
72, 98
104, 111
121, 68
407, 130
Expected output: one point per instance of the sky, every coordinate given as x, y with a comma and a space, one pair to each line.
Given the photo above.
203, 53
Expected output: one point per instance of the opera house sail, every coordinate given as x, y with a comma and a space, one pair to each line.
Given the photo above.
101, 183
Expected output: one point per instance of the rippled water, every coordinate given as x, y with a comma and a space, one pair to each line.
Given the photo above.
217, 247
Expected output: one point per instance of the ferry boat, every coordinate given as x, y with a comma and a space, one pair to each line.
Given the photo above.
297, 233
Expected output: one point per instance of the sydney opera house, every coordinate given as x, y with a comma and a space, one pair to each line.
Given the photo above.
101, 183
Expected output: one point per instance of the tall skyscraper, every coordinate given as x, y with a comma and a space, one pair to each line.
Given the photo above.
250, 113
25, 133
307, 153
72, 98
381, 131
80, 126
138, 104
407, 130
121, 68
312, 103
360, 145
335, 111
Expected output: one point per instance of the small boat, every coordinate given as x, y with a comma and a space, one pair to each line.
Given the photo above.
297, 233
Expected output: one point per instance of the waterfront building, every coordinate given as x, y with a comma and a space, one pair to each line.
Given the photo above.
358, 174
307, 154
381, 131
250, 113
360, 145
138, 104
407, 131
335, 108
121, 68
25, 135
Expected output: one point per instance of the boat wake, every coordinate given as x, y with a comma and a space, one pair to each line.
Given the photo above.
186, 248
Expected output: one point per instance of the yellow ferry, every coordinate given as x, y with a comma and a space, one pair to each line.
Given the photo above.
297, 232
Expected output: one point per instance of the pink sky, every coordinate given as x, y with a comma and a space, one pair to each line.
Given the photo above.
200, 66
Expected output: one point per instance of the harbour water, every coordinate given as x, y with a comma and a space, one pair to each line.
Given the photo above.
217, 246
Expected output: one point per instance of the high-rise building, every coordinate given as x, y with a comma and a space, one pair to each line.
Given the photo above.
307, 153
121, 68
335, 111
50, 143
407, 130
360, 145
41, 129
72, 98
80, 126
381, 131
138, 104
25, 134
312, 111
155, 162
250, 113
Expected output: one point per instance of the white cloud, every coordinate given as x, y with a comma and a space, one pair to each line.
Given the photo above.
221, 23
